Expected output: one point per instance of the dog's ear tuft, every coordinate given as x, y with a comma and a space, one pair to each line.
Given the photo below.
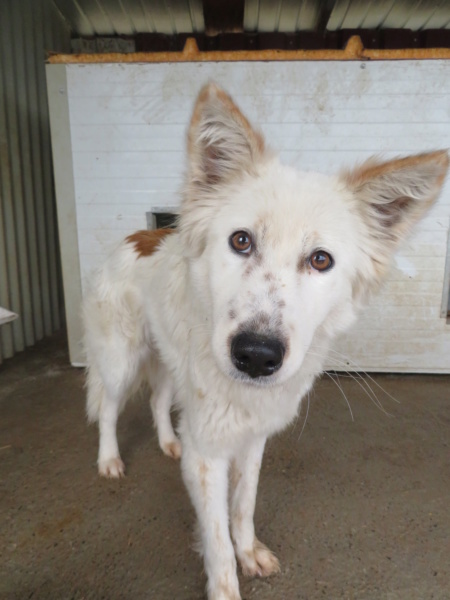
221, 141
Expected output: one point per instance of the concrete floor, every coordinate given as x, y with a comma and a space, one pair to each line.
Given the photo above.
353, 509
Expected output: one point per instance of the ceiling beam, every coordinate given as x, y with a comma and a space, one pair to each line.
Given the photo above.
325, 10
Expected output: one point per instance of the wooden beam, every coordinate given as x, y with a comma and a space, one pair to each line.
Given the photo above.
354, 50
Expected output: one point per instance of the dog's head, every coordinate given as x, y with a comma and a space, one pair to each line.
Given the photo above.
280, 257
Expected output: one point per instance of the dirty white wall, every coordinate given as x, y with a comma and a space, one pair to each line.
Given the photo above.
30, 280
126, 132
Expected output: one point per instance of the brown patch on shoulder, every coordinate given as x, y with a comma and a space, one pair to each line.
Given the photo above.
146, 242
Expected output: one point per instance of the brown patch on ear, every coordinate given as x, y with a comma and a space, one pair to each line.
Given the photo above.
394, 195
374, 169
221, 140
209, 93
212, 157
255, 137
146, 242
392, 214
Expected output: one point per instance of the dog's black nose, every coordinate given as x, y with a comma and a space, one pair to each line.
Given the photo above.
257, 355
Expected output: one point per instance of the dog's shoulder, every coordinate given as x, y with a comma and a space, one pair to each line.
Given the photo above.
146, 242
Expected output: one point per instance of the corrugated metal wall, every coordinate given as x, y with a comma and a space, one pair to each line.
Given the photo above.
30, 280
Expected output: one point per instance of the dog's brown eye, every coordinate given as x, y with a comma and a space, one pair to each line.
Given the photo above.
321, 260
241, 242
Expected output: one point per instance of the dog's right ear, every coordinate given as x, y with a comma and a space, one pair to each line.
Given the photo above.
222, 147
221, 142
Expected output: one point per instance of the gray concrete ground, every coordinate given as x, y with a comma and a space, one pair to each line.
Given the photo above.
353, 509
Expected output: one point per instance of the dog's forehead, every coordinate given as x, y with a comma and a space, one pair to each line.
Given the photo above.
276, 228
289, 213
283, 198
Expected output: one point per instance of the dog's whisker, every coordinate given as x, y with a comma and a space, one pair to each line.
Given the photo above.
368, 391
347, 361
353, 364
365, 386
339, 386
306, 416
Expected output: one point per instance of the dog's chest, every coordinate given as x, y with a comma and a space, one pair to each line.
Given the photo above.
222, 415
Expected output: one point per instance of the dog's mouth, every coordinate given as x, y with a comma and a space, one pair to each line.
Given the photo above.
256, 356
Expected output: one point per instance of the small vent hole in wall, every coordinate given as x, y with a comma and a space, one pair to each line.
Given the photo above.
159, 218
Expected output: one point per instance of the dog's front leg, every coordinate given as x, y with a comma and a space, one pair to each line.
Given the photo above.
254, 556
207, 482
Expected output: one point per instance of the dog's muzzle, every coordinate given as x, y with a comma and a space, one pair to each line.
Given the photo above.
257, 355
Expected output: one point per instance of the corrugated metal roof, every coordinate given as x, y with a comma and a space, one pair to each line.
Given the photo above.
279, 15
304, 15
390, 14
128, 17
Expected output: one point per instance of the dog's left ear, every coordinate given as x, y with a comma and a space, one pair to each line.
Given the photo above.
394, 195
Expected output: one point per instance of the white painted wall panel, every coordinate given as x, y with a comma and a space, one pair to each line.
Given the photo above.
128, 124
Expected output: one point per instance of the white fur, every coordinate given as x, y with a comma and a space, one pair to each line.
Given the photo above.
169, 317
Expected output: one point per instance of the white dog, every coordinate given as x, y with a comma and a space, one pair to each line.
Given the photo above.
230, 316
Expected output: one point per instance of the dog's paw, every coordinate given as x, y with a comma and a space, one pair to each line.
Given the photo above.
172, 449
112, 468
260, 561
